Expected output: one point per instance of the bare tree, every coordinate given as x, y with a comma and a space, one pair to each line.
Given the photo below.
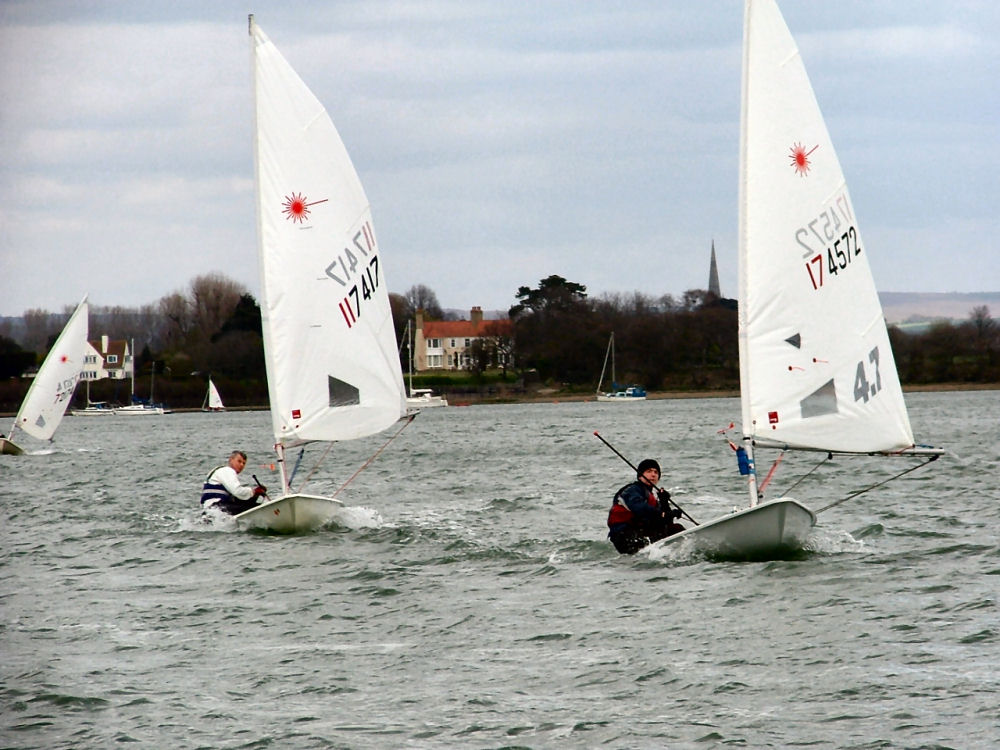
213, 299
176, 311
421, 297
983, 324
39, 326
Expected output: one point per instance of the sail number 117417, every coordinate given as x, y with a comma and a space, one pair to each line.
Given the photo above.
347, 267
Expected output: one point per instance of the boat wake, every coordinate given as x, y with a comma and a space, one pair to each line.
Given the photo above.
821, 542
356, 517
208, 520
212, 520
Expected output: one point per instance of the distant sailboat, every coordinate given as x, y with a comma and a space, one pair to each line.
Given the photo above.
333, 371
52, 388
93, 408
213, 401
419, 398
138, 407
631, 393
816, 366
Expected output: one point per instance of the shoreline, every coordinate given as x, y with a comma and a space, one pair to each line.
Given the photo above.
554, 395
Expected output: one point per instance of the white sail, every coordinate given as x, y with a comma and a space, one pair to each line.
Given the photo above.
51, 390
330, 349
214, 400
816, 367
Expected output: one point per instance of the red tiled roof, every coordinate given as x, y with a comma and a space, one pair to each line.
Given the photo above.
442, 329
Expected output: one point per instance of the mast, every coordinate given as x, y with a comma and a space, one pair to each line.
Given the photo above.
607, 354
614, 380
409, 347
748, 429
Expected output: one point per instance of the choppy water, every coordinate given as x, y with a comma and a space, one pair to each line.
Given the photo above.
468, 597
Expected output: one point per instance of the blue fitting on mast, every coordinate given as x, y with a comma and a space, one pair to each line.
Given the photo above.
745, 462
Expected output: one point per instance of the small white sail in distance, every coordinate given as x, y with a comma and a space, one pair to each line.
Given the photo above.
213, 400
52, 388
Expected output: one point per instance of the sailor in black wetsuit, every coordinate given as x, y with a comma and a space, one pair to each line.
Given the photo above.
639, 515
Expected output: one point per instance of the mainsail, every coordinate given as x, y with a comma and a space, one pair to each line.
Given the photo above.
330, 347
213, 400
51, 390
816, 366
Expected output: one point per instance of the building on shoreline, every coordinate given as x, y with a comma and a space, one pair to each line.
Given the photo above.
452, 344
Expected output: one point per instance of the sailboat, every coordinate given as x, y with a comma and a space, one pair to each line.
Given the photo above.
52, 389
419, 398
213, 401
333, 372
816, 367
138, 407
93, 408
631, 393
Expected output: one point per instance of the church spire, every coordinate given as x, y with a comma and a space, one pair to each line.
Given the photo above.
713, 275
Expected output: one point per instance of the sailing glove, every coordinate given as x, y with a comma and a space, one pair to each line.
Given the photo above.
259, 490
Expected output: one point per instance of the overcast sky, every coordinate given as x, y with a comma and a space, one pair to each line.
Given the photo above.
498, 141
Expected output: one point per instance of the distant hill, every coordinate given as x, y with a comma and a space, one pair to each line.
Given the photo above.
922, 307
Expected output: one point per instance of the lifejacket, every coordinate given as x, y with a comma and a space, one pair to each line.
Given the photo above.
214, 492
620, 512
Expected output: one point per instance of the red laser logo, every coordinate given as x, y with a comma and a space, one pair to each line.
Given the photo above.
800, 158
296, 207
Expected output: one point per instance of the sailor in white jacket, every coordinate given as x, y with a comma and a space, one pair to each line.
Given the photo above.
222, 488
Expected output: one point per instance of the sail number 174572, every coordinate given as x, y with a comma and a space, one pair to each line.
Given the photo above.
834, 259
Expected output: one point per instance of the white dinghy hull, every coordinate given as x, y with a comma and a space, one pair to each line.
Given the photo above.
291, 514
763, 531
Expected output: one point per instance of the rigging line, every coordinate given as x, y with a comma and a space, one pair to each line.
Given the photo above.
322, 458
295, 469
770, 474
375, 455
829, 457
878, 484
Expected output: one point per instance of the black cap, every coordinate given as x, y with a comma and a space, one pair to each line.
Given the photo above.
647, 463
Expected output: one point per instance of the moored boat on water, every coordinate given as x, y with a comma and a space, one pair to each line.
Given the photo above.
629, 394
94, 409
419, 398
424, 398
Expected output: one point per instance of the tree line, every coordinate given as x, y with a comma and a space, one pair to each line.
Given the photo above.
691, 342
559, 336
